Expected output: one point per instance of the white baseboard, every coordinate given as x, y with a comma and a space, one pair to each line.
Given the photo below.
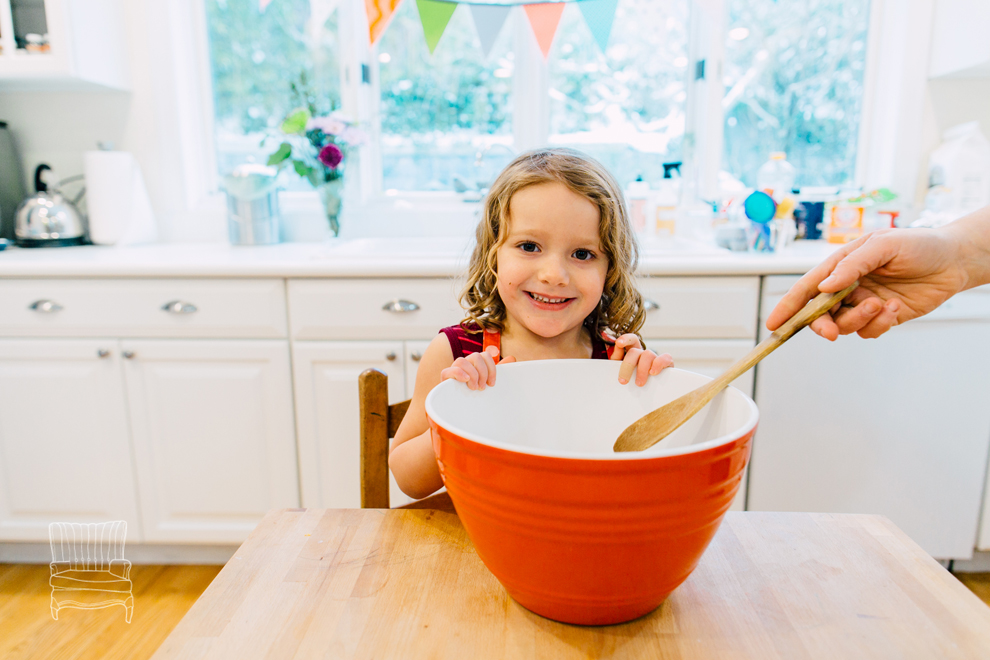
137, 553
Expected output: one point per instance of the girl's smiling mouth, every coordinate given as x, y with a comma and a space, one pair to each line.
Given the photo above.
546, 302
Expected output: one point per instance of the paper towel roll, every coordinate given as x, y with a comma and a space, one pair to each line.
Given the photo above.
116, 199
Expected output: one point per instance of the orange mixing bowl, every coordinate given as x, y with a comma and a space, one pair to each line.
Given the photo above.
572, 530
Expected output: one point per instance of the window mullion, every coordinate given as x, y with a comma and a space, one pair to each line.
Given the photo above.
360, 94
704, 129
530, 87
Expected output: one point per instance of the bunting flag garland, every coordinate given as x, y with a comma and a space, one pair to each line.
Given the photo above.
489, 17
544, 19
434, 16
599, 14
379, 14
488, 21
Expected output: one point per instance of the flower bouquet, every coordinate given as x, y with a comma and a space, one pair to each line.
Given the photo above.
317, 147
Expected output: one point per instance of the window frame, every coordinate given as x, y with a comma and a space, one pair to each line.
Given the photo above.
882, 125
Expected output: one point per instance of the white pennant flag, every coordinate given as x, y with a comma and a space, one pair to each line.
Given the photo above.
488, 21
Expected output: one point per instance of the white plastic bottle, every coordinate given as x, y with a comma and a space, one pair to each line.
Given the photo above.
776, 176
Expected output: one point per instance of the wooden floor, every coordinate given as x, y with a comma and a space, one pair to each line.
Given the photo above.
162, 595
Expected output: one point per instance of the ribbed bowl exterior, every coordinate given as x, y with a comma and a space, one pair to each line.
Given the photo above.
585, 541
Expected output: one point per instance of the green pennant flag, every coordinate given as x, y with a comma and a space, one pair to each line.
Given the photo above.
434, 16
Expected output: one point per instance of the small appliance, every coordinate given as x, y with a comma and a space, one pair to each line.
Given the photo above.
47, 219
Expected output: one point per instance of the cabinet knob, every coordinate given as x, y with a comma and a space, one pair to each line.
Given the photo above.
650, 306
45, 306
128, 355
178, 307
400, 306
102, 353
416, 356
390, 356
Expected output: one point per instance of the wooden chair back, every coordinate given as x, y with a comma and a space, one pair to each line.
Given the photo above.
379, 422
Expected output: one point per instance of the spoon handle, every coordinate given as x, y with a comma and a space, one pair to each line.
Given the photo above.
805, 316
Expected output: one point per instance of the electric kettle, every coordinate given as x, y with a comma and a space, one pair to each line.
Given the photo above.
47, 219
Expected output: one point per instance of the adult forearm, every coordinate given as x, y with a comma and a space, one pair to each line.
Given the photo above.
972, 236
414, 466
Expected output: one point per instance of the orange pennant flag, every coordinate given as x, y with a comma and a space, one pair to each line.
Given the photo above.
544, 19
379, 14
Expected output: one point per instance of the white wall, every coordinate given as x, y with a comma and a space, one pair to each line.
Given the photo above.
57, 127
948, 103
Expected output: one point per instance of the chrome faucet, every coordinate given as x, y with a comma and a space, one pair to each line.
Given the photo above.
479, 158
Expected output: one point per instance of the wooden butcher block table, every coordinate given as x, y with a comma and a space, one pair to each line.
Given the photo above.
405, 584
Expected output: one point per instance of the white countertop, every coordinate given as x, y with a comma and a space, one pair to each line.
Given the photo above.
367, 257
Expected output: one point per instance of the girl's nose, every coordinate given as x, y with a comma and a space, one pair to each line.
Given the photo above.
553, 272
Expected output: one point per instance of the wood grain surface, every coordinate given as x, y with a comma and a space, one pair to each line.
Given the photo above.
408, 584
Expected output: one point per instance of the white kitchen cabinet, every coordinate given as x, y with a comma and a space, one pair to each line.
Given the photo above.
711, 357
414, 353
213, 435
326, 391
86, 45
65, 453
960, 47
897, 426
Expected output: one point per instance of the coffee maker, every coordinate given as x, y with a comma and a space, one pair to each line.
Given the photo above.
12, 189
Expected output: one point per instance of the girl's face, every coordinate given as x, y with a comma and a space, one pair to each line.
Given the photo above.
551, 268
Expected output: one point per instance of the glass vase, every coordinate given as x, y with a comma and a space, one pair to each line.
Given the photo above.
331, 196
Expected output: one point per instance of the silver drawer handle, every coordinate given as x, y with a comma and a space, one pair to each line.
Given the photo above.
102, 353
417, 356
390, 356
400, 306
128, 355
178, 307
650, 306
45, 306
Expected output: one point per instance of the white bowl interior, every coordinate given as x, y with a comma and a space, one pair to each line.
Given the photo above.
577, 409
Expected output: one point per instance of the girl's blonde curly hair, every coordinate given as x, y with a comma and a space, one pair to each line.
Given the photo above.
621, 307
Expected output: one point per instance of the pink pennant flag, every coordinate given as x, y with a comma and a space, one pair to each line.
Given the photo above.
379, 14
544, 19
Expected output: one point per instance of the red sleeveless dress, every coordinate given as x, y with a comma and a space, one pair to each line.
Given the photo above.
464, 343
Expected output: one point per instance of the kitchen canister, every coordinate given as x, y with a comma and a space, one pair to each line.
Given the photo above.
116, 198
252, 205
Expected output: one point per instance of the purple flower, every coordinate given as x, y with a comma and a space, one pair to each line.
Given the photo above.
331, 155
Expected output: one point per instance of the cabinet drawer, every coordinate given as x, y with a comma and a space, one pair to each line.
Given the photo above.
372, 309
143, 308
696, 307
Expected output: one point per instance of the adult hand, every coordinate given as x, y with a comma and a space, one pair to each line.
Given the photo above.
903, 274
476, 370
635, 359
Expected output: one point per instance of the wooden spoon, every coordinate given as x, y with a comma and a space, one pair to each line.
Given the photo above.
653, 427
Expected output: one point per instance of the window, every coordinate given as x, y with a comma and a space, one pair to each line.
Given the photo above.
626, 107
794, 83
439, 111
256, 56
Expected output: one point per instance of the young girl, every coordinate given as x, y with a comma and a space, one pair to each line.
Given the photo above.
551, 277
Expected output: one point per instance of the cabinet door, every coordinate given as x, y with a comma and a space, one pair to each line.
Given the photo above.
65, 450
214, 438
414, 353
326, 374
711, 357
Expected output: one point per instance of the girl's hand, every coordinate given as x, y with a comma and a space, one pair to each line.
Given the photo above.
636, 359
476, 370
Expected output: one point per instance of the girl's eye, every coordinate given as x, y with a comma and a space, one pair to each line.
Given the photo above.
584, 255
528, 247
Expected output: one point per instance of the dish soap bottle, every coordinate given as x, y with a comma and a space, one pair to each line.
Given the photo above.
668, 199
